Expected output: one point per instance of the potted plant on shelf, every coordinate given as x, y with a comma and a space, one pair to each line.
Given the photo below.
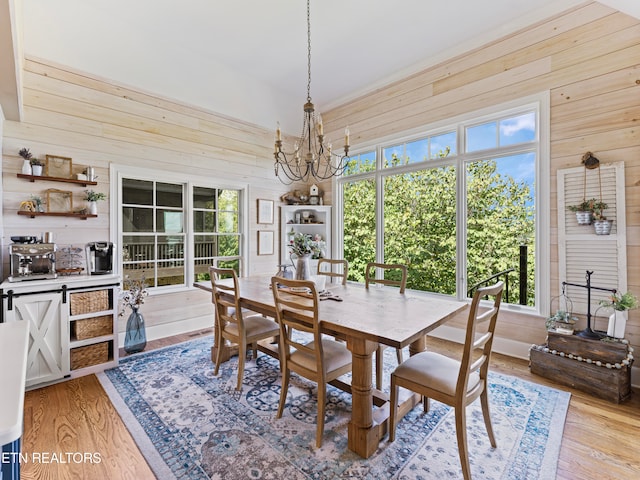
621, 304
93, 198
26, 163
36, 166
584, 210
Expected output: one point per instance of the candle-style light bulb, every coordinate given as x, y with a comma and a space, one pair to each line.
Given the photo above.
320, 127
278, 132
346, 136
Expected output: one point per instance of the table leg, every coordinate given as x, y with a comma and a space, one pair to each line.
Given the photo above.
364, 434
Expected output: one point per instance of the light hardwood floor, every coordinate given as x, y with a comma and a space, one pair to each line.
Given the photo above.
600, 438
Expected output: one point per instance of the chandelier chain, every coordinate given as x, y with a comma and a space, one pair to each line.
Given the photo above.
308, 52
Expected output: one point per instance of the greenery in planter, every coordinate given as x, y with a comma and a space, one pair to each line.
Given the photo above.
592, 205
621, 302
92, 196
26, 154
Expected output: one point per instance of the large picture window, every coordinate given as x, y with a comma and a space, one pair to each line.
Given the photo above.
458, 205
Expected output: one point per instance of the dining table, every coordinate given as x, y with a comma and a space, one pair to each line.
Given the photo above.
364, 318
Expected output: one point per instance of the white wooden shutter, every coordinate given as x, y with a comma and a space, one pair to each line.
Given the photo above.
579, 248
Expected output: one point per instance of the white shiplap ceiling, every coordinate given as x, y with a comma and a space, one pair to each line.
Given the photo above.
247, 58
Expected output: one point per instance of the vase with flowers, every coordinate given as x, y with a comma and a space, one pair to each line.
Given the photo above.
133, 296
305, 247
26, 162
621, 304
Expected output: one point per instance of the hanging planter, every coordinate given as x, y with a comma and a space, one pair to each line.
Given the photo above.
602, 227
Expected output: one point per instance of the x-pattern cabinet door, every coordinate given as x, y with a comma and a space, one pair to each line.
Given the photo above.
48, 357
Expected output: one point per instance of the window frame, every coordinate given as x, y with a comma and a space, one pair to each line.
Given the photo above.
119, 172
540, 103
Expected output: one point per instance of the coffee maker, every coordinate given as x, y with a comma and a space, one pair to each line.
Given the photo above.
99, 258
32, 261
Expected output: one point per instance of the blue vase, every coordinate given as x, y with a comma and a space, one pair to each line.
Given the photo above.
136, 337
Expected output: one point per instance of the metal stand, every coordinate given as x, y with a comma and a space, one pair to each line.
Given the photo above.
588, 332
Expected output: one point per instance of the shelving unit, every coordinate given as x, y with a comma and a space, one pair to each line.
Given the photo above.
92, 330
33, 178
318, 223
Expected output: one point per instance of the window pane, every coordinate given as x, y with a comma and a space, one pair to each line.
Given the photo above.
170, 273
501, 218
443, 145
204, 221
359, 226
169, 195
482, 137
229, 200
393, 156
137, 219
227, 222
169, 221
170, 247
138, 192
204, 197
364, 162
206, 246
136, 272
417, 151
420, 227
518, 129
138, 249
229, 245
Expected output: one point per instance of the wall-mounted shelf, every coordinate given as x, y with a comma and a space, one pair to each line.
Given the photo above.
33, 178
82, 216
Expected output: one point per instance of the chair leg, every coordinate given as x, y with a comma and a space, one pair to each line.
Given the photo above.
379, 358
461, 435
283, 391
242, 353
322, 403
218, 353
255, 349
486, 413
393, 409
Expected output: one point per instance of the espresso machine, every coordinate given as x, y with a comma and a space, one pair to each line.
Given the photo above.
100, 258
32, 261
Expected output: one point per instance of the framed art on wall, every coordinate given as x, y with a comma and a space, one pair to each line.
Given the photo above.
265, 211
265, 242
60, 167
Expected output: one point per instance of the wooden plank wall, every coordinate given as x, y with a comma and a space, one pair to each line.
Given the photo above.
71, 114
589, 60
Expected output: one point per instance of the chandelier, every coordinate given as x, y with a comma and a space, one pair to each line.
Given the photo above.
311, 155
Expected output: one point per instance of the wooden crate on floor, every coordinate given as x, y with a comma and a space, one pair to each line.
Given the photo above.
613, 384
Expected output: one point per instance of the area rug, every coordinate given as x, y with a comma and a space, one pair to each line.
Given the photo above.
190, 424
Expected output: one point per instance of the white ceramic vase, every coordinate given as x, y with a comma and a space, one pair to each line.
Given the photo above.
93, 208
26, 168
617, 324
37, 169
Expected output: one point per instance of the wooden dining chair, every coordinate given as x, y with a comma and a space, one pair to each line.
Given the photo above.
321, 359
325, 267
234, 323
454, 382
397, 270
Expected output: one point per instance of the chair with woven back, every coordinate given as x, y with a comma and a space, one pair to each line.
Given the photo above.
370, 278
325, 267
233, 323
455, 382
320, 358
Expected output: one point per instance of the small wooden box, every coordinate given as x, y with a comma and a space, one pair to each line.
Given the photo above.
92, 327
95, 354
606, 351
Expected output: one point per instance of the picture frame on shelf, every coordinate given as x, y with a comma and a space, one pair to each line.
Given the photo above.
265, 211
60, 167
59, 201
265, 242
